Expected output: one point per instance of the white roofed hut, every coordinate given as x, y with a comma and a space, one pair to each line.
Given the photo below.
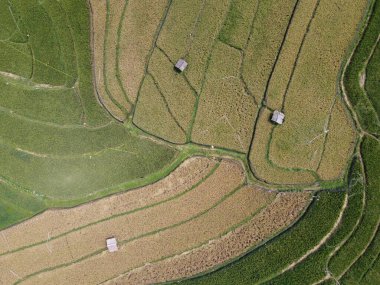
181, 65
112, 244
278, 117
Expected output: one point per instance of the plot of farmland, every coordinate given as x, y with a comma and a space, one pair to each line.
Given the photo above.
102, 136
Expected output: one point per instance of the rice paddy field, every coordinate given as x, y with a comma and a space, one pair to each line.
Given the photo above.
101, 136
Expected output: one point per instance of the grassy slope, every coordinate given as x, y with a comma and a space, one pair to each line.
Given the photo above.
48, 152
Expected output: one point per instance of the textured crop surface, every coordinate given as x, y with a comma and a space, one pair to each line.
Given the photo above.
101, 136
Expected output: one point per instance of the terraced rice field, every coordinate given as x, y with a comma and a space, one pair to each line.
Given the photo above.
178, 207
100, 136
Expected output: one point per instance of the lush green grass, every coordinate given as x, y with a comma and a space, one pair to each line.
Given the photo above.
56, 141
269, 259
313, 268
55, 106
73, 177
17, 205
371, 154
365, 111
360, 239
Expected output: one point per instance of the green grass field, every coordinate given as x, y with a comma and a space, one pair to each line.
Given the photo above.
317, 61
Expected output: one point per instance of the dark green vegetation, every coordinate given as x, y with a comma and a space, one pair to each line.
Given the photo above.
366, 104
58, 147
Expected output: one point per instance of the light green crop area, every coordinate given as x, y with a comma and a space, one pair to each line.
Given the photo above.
57, 144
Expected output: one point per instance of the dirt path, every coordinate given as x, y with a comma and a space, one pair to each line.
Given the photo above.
27, 82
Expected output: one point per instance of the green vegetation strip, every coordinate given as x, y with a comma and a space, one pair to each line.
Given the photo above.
370, 224
314, 267
368, 118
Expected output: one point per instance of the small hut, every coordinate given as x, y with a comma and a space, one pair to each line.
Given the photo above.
278, 117
112, 244
181, 65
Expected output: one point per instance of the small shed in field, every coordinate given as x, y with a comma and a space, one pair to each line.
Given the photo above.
112, 244
278, 117
181, 65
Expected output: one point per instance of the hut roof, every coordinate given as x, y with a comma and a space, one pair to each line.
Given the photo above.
278, 117
112, 244
181, 65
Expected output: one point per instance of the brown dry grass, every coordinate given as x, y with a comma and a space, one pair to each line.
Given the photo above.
115, 13
140, 25
178, 31
55, 222
287, 59
177, 92
225, 113
269, 27
153, 116
260, 164
163, 244
211, 22
339, 144
90, 239
280, 214
190, 31
314, 85
98, 20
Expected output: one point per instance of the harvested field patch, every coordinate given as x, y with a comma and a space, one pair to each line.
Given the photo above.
145, 222
56, 222
259, 160
115, 10
226, 112
238, 23
269, 28
298, 29
99, 23
152, 114
227, 213
136, 39
283, 211
178, 94
339, 144
90, 239
299, 142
